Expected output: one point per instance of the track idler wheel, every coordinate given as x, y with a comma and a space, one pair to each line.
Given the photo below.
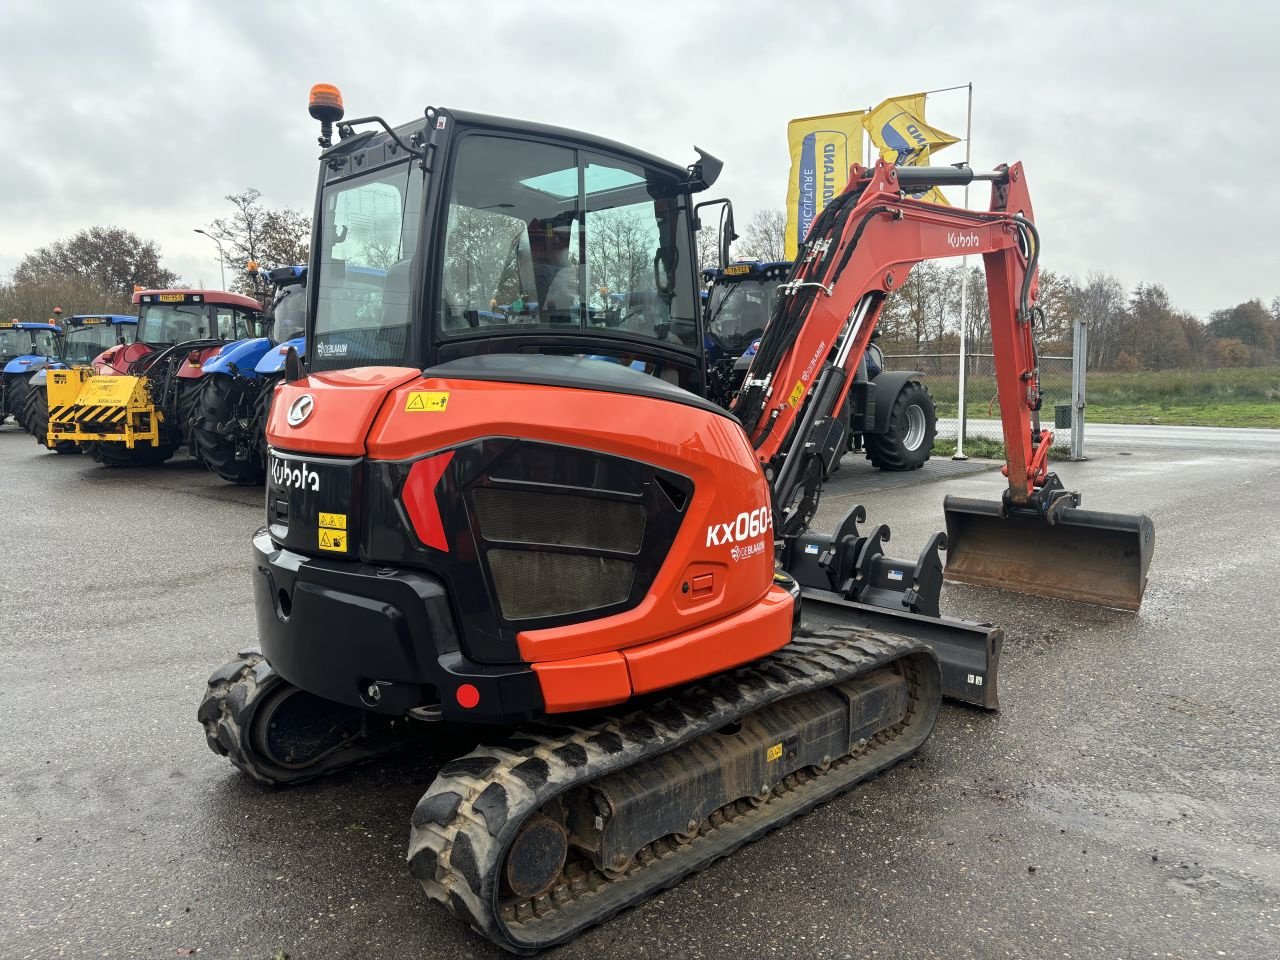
536, 857
279, 734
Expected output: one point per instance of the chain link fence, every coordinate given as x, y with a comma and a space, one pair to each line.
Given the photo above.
942, 377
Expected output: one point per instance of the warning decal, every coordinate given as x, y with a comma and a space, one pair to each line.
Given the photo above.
333, 532
427, 401
335, 540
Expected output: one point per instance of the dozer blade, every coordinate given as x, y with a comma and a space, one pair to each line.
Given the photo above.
968, 653
1073, 554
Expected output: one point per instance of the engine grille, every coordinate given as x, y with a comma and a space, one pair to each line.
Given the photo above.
533, 517
533, 583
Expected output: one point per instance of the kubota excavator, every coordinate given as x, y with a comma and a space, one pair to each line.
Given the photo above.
496, 505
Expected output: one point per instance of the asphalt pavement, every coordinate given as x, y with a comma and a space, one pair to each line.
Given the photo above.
1124, 803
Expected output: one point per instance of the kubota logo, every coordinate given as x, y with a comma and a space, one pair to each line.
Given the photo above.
300, 410
746, 526
960, 241
299, 477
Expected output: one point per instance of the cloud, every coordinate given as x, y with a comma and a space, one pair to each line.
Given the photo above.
1144, 127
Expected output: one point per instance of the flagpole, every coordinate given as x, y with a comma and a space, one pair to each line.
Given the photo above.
962, 86
964, 290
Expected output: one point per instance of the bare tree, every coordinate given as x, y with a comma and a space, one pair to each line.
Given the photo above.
480, 258
271, 238
1099, 301
708, 245
619, 250
764, 236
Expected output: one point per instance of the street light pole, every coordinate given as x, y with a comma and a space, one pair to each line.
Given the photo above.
222, 263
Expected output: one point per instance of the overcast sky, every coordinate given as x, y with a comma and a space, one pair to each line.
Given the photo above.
1148, 129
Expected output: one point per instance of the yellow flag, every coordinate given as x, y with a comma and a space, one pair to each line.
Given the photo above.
822, 149
898, 130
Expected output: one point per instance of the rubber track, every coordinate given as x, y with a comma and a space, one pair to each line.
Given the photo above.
232, 697
465, 822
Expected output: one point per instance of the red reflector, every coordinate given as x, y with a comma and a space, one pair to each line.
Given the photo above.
468, 696
420, 500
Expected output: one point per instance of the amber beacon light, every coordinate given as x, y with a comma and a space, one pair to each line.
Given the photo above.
325, 105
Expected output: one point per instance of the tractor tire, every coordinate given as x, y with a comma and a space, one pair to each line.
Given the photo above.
36, 415
217, 399
16, 401
262, 413
913, 425
113, 453
188, 405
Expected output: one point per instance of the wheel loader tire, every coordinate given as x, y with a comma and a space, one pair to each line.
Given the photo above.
913, 425
216, 402
113, 453
36, 416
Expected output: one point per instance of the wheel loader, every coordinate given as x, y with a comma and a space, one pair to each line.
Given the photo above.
475, 524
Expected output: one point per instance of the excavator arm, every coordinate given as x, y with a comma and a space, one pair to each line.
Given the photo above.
859, 250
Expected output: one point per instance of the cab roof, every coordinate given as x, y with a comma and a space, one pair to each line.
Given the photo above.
206, 296
114, 318
757, 269
375, 141
28, 325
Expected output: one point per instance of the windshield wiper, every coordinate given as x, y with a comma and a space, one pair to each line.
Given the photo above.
720, 306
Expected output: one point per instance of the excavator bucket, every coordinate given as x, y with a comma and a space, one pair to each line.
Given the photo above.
1073, 554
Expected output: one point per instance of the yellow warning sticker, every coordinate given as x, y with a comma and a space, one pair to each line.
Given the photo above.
773, 753
427, 401
796, 393
335, 521
335, 540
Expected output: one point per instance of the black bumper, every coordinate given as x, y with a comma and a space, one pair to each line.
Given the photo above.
375, 637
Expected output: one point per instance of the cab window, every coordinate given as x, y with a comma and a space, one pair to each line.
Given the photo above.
545, 236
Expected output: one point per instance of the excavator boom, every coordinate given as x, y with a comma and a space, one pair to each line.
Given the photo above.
860, 250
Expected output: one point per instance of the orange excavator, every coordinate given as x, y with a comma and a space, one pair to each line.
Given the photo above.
499, 502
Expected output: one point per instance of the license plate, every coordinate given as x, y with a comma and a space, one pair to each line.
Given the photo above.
737, 270
172, 297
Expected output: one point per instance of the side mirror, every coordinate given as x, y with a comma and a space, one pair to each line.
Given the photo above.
292, 365
727, 234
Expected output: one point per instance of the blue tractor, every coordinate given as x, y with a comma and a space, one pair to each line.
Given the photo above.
25, 349
87, 336
890, 413
229, 425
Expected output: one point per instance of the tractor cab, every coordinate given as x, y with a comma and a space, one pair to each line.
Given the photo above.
89, 335
740, 299
287, 313
23, 344
25, 349
169, 317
